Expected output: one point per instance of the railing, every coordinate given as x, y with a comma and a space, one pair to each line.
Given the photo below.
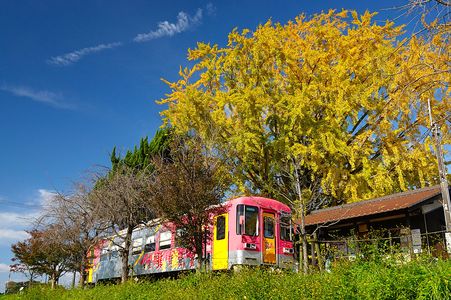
378, 245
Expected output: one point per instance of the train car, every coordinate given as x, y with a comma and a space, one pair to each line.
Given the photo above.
251, 231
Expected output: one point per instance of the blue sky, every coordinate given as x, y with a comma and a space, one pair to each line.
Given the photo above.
79, 77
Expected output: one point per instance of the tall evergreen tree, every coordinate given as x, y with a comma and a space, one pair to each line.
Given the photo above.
140, 158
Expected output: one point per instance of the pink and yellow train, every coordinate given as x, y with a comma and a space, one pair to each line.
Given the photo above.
251, 231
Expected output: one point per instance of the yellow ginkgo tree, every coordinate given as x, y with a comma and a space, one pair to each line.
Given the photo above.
319, 111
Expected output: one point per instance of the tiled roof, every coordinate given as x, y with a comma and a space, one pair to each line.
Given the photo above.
370, 207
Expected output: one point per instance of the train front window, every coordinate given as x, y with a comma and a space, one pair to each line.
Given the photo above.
251, 220
247, 220
285, 227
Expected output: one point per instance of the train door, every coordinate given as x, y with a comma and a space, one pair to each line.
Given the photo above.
269, 238
220, 255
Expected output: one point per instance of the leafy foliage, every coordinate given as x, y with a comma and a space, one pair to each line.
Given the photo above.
25, 258
121, 203
337, 100
187, 189
121, 197
73, 222
41, 254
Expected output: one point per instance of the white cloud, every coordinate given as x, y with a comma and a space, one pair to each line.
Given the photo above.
211, 9
46, 97
46, 197
4, 268
164, 28
184, 22
13, 224
9, 236
74, 56
16, 220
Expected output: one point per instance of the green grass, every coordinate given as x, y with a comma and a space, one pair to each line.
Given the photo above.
422, 279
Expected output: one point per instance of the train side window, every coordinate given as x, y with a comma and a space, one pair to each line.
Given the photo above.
150, 244
239, 219
104, 256
268, 225
165, 240
179, 235
91, 256
220, 228
137, 246
285, 227
114, 252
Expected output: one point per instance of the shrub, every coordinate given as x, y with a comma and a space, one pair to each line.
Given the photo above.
418, 279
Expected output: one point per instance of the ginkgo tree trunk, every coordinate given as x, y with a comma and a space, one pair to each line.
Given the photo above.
300, 212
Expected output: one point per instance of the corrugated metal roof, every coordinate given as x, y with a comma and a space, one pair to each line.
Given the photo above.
370, 207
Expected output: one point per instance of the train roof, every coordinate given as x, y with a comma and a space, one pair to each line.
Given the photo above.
261, 201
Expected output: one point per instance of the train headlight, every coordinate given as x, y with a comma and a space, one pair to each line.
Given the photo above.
288, 250
250, 246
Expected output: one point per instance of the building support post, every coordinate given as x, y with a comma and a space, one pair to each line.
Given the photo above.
443, 181
426, 231
318, 251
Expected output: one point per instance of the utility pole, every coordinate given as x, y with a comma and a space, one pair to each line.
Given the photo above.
443, 181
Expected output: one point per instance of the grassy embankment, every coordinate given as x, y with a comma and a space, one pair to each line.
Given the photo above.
422, 279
